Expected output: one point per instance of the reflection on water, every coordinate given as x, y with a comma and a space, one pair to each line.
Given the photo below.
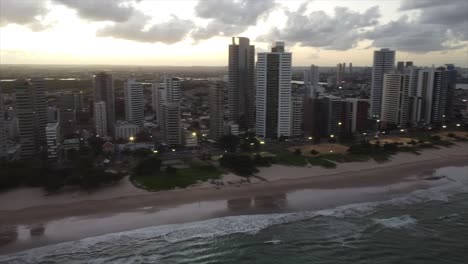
37, 230
8, 235
264, 201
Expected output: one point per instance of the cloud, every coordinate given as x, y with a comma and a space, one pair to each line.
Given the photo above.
341, 31
101, 10
229, 17
23, 12
137, 28
439, 26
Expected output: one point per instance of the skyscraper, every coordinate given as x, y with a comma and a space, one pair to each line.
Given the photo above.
53, 140
216, 96
395, 108
104, 91
274, 93
134, 106
296, 116
311, 79
340, 68
31, 110
433, 84
384, 62
241, 84
171, 129
100, 118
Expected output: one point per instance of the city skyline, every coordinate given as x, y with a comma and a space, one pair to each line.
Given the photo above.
186, 33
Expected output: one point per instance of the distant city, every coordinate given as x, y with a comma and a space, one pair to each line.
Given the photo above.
46, 111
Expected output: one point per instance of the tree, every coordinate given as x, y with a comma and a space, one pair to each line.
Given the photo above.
141, 153
150, 165
171, 170
229, 142
250, 142
96, 144
297, 152
313, 152
242, 165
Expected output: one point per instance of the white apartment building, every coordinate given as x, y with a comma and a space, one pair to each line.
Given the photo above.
384, 62
52, 131
100, 119
134, 104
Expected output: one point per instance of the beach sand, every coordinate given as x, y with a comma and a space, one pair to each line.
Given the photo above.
41, 220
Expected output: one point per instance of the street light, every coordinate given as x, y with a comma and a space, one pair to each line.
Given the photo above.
309, 138
444, 126
402, 130
262, 142
131, 138
339, 123
332, 136
194, 134
173, 150
458, 125
155, 151
378, 120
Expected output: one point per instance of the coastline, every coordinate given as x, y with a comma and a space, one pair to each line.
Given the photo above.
279, 179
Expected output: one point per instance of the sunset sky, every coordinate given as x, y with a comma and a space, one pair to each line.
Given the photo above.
182, 32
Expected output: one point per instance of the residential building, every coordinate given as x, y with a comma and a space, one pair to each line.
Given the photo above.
100, 118
433, 86
340, 73
311, 80
296, 116
171, 128
273, 117
104, 92
384, 62
31, 110
134, 105
53, 140
125, 130
241, 82
231, 128
216, 104
359, 114
190, 139
3, 138
395, 99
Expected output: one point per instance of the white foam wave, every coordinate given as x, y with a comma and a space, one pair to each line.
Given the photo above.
397, 222
249, 224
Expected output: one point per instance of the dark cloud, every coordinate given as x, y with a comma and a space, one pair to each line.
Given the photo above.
229, 17
137, 28
22, 12
406, 35
101, 10
438, 26
340, 31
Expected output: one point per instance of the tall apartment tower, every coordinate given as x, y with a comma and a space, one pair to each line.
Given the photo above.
395, 99
53, 140
104, 91
171, 128
340, 68
31, 110
241, 83
384, 62
311, 79
134, 105
216, 97
274, 93
3, 145
168, 98
433, 84
296, 116
100, 118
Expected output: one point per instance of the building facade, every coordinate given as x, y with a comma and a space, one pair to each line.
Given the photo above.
241, 82
53, 141
384, 62
125, 130
273, 97
100, 119
31, 111
395, 99
104, 92
134, 104
216, 104
171, 129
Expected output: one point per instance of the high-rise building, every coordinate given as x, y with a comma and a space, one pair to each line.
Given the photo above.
400, 66
171, 129
31, 110
384, 62
134, 105
216, 97
100, 118
340, 69
3, 143
296, 116
358, 114
395, 99
311, 80
274, 93
335, 115
433, 84
452, 80
125, 130
104, 91
351, 68
53, 140
241, 82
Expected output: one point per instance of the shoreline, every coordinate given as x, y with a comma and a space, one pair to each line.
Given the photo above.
354, 174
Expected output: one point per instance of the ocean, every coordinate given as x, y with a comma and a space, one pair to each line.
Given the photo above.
424, 226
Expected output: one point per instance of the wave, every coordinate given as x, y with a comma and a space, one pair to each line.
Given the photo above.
396, 222
245, 224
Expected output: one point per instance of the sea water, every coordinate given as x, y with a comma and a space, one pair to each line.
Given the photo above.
424, 226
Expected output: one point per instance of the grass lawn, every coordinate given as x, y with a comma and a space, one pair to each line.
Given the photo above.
290, 159
182, 178
319, 161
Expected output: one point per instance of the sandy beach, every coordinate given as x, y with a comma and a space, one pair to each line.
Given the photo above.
124, 207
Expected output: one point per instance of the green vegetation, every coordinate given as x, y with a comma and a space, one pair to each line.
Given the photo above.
229, 142
320, 161
176, 178
240, 164
290, 159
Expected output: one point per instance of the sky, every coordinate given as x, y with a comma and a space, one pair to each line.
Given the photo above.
198, 32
